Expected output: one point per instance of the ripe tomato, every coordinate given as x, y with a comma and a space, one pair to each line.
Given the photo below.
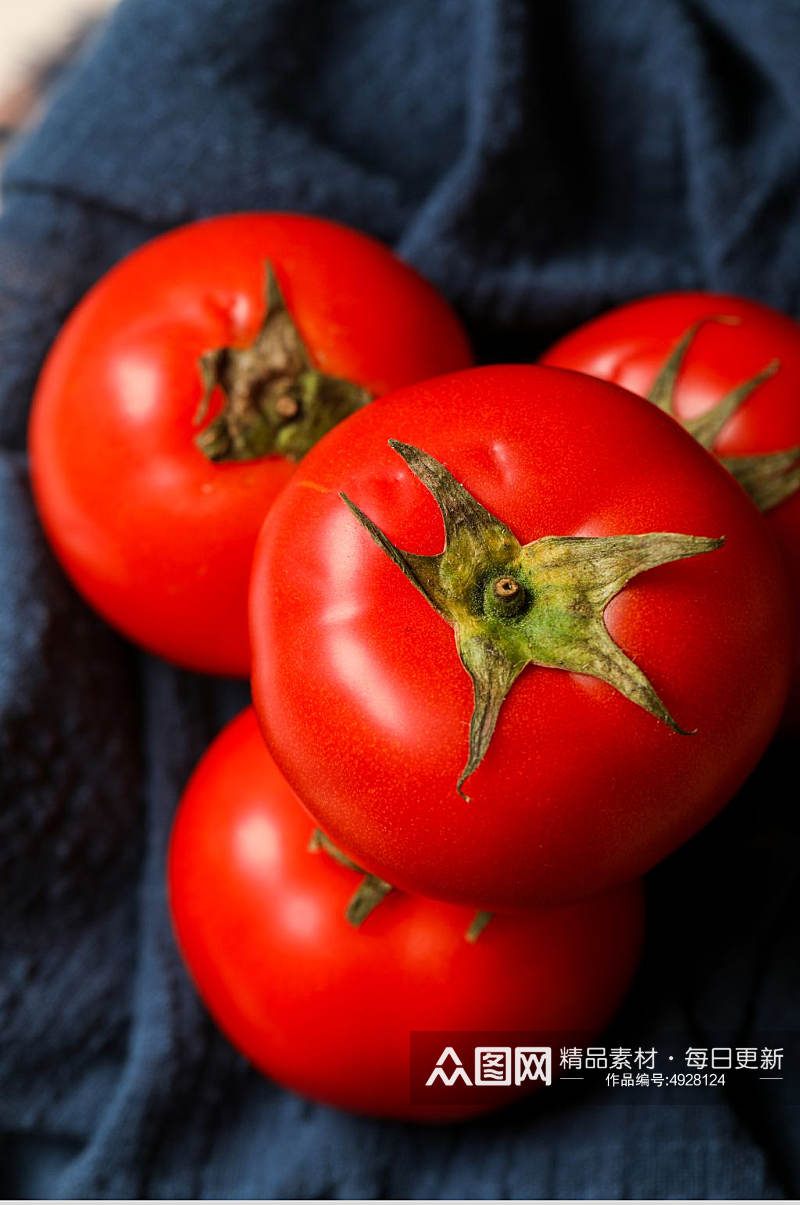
588, 778
326, 1008
155, 532
728, 343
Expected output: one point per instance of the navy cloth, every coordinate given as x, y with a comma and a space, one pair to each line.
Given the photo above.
538, 162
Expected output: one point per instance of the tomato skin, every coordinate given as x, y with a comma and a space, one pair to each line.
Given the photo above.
157, 538
365, 704
629, 344
327, 1009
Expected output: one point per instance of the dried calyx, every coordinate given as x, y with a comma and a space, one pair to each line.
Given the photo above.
372, 890
769, 478
276, 401
514, 605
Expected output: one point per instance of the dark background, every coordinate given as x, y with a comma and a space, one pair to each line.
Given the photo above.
538, 162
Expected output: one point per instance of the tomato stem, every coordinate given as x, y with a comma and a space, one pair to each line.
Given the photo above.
769, 478
370, 891
542, 603
479, 923
276, 401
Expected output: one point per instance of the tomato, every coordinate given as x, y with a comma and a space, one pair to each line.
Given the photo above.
736, 343
650, 697
327, 1009
156, 531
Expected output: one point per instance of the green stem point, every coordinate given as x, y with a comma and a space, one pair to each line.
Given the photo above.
370, 891
479, 923
770, 478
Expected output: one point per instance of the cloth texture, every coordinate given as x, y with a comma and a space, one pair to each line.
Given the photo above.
538, 162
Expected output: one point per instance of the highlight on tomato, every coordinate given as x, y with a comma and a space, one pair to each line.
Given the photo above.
327, 1007
516, 636
182, 391
728, 369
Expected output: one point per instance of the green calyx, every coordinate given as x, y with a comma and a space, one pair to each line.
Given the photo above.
276, 401
769, 478
514, 605
371, 891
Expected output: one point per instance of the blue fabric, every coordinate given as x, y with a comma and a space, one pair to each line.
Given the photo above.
538, 162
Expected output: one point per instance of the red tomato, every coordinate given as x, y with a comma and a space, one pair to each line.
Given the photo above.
327, 1009
365, 702
158, 537
630, 345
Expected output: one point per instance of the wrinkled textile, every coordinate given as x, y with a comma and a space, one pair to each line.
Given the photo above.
538, 162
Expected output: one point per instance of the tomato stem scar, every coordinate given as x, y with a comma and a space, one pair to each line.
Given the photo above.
286, 406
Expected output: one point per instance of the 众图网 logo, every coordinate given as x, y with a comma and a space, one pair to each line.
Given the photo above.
494, 1066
